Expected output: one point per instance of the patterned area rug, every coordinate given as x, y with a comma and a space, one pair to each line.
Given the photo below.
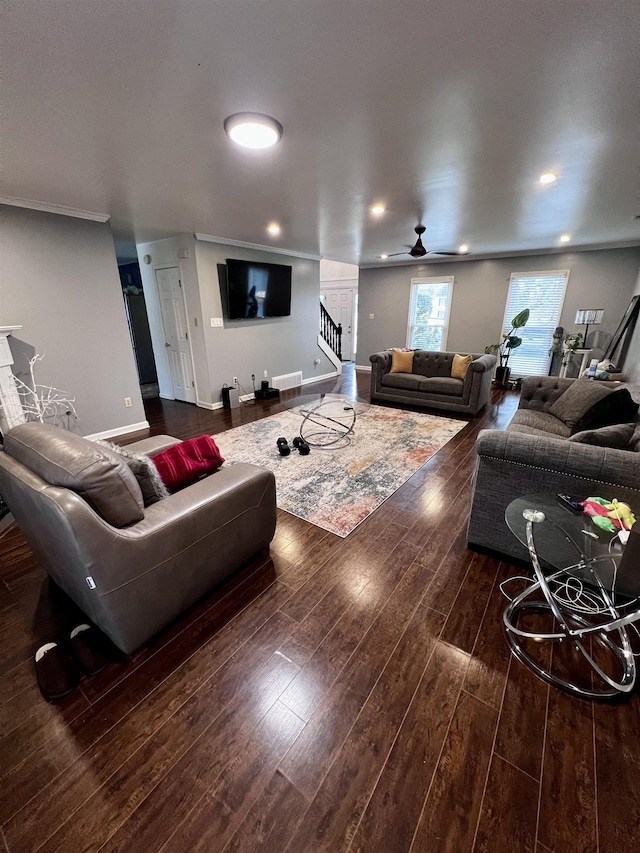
336, 489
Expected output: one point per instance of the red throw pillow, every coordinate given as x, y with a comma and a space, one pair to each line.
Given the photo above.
183, 463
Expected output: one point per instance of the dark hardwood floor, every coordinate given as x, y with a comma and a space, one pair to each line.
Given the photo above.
339, 694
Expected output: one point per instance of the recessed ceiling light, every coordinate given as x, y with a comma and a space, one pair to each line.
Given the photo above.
384, 257
548, 178
378, 209
565, 238
273, 228
463, 248
253, 130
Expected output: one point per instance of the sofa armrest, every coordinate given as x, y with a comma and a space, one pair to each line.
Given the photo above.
482, 363
380, 364
477, 383
604, 464
153, 445
541, 392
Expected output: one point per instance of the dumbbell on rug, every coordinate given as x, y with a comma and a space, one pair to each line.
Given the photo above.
283, 446
301, 444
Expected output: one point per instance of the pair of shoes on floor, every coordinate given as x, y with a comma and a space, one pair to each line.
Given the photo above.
298, 442
59, 668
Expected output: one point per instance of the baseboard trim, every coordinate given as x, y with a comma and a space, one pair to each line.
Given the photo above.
209, 406
365, 368
313, 379
123, 430
165, 397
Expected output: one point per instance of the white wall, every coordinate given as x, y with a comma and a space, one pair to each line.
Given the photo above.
59, 279
598, 279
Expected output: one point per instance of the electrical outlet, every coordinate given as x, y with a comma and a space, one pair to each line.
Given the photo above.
127, 402
266, 374
235, 381
253, 377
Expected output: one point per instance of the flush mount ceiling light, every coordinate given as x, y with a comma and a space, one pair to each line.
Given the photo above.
463, 249
547, 178
273, 228
384, 257
378, 209
565, 238
253, 130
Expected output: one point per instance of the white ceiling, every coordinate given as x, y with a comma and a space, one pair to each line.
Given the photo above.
446, 112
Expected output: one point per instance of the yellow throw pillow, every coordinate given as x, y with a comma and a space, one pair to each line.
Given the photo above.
460, 365
401, 362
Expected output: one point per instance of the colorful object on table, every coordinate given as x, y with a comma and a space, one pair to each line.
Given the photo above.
609, 515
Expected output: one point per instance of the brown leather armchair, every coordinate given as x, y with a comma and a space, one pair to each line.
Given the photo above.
130, 568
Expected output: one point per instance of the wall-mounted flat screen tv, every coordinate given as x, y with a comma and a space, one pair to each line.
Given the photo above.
256, 290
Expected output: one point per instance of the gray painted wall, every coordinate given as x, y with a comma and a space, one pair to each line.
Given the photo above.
278, 345
598, 279
59, 279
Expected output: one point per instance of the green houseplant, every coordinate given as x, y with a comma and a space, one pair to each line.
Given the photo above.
505, 347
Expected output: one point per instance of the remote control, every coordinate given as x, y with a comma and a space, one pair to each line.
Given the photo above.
569, 502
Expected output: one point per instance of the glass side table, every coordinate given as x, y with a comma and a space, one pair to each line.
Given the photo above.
327, 420
577, 579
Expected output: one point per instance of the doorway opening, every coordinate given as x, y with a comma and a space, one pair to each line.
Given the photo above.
138, 321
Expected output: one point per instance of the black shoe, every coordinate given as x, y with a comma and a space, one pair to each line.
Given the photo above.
90, 648
283, 446
56, 671
301, 444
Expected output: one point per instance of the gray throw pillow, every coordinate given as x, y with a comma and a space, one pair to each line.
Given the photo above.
144, 470
616, 435
579, 397
634, 443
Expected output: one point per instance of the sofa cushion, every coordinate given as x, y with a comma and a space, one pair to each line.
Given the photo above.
144, 470
185, 462
615, 408
616, 435
432, 363
62, 458
441, 385
404, 381
530, 419
460, 365
578, 399
401, 361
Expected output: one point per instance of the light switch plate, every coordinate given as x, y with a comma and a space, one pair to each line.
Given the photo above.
216, 322
372, 316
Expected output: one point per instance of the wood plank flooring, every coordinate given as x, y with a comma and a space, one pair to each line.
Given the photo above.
336, 695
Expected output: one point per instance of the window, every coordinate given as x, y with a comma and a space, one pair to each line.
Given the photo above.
429, 310
543, 293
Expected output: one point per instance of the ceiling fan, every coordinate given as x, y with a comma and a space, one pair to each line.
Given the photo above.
418, 250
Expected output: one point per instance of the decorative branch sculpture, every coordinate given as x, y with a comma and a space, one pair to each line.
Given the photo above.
43, 402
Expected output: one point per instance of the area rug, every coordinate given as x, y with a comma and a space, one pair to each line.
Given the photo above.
336, 489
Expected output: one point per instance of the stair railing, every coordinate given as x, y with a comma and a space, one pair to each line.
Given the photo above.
331, 331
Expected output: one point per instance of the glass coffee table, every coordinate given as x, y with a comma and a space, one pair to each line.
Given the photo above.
328, 420
580, 584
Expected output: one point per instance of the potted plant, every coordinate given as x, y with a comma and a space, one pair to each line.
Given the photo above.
505, 347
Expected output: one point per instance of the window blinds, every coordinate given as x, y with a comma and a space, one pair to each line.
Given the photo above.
543, 294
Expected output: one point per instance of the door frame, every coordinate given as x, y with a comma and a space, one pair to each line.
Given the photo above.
169, 266
346, 284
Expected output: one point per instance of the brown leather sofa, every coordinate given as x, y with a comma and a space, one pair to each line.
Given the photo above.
130, 568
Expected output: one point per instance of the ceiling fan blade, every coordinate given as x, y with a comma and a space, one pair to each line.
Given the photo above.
395, 254
451, 254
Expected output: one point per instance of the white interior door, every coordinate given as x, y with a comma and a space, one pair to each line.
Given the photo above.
176, 335
339, 303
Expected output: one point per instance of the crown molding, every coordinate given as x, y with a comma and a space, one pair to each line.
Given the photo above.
227, 241
60, 209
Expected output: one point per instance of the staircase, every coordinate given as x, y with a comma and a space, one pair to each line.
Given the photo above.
331, 332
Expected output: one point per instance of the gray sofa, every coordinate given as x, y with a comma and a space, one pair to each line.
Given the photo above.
534, 455
131, 568
430, 384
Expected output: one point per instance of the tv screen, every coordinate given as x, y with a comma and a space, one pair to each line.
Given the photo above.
256, 290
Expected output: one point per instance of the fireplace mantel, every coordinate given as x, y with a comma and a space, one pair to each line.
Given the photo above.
11, 413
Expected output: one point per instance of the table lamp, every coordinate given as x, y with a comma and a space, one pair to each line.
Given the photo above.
588, 317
